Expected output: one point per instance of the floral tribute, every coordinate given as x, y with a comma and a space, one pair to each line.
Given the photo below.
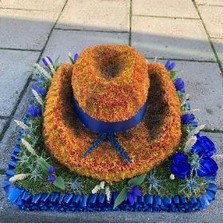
181, 179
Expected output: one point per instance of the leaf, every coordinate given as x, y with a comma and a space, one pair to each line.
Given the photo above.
121, 197
43, 164
137, 180
59, 182
172, 74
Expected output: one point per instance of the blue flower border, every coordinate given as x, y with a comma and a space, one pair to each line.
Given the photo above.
24, 200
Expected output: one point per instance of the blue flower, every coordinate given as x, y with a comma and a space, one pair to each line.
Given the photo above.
40, 90
51, 178
180, 166
204, 147
133, 193
51, 170
170, 65
208, 167
45, 62
76, 56
34, 111
179, 84
187, 118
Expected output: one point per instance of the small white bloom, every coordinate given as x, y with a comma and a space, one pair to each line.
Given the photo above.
197, 130
102, 185
108, 193
28, 147
187, 96
20, 176
37, 97
96, 189
21, 124
42, 71
192, 111
49, 64
191, 141
172, 176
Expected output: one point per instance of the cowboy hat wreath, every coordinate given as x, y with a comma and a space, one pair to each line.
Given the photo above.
110, 131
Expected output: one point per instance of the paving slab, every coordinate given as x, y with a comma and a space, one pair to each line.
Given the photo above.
218, 45
219, 159
112, 15
2, 124
25, 29
217, 138
8, 141
204, 83
209, 2
173, 8
9, 214
49, 5
170, 38
62, 42
213, 19
15, 67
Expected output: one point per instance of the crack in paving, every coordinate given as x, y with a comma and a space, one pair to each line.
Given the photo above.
209, 38
90, 30
178, 59
166, 17
130, 23
19, 49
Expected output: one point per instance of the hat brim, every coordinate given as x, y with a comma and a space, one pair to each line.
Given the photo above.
147, 144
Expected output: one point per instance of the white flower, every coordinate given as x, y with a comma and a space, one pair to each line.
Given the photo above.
37, 97
108, 193
28, 147
192, 111
172, 176
187, 96
191, 141
21, 124
20, 176
196, 130
49, 64
96, 189
102, 185
42, 71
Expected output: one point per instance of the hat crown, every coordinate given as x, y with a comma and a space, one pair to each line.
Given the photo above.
110, 82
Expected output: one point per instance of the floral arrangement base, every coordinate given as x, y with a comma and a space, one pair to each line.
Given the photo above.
36, 182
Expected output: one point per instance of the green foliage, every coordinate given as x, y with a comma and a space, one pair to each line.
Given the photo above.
59, 182
121, 197
137, 180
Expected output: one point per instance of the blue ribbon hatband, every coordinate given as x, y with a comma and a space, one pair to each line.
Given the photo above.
107, 129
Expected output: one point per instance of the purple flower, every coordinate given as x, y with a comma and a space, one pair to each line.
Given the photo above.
179, 84
187, 118
204, 147
180, 166
133, 194
51, 170
34, 111
170, 65
40, 90
76, 56
46, 62
51, 178
208, 167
